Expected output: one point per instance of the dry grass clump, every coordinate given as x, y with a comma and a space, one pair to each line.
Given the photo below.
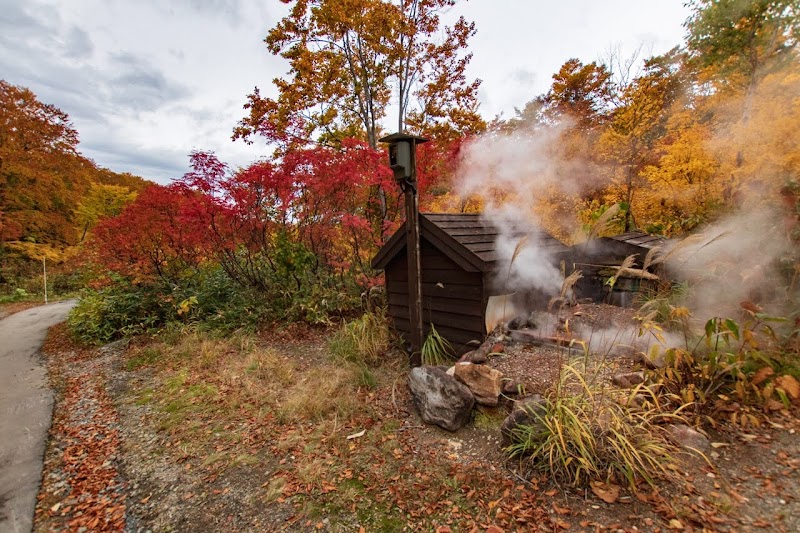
322, 391
585, 435
204, 377
364, 340
566, 288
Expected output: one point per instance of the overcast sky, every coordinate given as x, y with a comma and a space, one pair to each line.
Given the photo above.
147, 81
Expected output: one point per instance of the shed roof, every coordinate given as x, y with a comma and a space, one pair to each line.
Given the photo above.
466, 238
638, 238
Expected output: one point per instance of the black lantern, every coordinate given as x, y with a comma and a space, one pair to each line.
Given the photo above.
403, 157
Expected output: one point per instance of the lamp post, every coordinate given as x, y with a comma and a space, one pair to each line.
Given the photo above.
403, 162
44, 270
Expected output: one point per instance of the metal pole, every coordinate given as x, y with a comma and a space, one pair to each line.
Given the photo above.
414, 269
44, 269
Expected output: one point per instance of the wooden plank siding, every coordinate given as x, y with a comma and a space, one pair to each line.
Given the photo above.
461, 340
452, 299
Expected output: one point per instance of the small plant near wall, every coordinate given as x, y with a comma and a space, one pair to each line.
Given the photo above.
436, 350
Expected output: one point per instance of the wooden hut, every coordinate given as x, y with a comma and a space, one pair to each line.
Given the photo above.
597, 257
459, 263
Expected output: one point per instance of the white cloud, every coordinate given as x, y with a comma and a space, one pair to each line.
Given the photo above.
147, 82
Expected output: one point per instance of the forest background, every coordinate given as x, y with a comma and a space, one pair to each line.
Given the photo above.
709, 128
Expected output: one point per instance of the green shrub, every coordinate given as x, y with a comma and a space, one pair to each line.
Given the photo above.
210, 300
19, 294
63, 282
120, 310
727, 370
222, 305
220, 299
294, 285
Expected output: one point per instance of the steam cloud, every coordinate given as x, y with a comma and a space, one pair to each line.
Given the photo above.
511, 172
738, 258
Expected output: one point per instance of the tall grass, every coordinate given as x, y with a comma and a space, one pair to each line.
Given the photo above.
364, 340
583, 434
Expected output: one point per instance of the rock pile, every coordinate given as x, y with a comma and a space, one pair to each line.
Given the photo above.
446, 398
485, 383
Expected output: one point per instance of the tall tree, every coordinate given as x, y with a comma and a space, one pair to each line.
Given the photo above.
28, 125
40, 172
43, 178
102, 201
637, 124
348, 60
581, 92
742, 40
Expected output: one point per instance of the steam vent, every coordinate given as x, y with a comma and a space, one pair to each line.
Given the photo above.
460, 267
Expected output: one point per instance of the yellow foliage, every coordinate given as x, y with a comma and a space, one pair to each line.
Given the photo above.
769, 140
685, 185
37, 252
451, 202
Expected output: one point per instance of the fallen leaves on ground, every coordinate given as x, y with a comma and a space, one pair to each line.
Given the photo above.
608, 492
81, 488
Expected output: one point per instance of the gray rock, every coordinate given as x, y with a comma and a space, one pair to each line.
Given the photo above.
440, 399
628, 380
689, 438
512, 387
524, 414
522, 322
477, 357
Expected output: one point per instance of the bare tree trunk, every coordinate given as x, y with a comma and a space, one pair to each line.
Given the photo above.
629, 198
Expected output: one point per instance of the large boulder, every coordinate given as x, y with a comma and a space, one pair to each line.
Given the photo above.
484, 382
524, 414
440, 398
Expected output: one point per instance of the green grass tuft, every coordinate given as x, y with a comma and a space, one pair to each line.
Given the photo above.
436, 350
363, 341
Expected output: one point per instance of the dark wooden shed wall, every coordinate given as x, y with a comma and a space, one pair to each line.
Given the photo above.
598, 254
452, 299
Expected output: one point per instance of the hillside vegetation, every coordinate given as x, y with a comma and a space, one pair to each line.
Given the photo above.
50, 195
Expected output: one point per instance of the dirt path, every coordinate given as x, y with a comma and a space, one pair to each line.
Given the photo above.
81, 487
26, 405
